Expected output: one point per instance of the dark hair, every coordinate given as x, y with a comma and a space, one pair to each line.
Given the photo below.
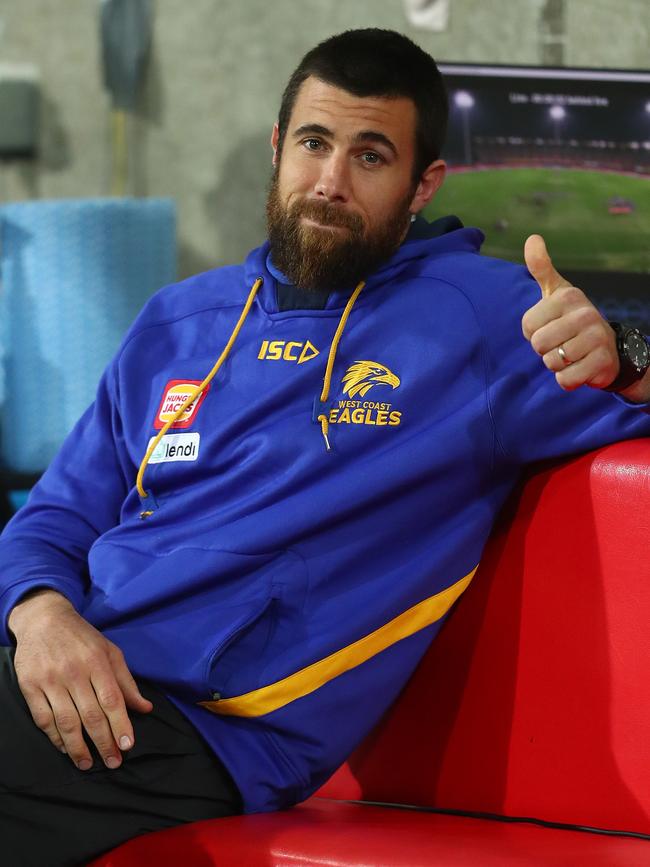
375, 62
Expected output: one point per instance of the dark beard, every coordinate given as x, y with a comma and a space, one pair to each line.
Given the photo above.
324, 260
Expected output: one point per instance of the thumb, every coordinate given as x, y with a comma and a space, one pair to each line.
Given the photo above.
540, 266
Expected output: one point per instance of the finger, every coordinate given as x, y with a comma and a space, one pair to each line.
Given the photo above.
111, 702
39, 708
554, 360
596, 368
574, 375
130, 690
576, 348
541, 267
116, 690
94, 717
568, 305
548, 336
68, 723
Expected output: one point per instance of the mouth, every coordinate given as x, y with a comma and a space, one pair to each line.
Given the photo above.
308, 221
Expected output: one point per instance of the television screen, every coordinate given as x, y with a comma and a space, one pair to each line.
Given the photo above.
563, 152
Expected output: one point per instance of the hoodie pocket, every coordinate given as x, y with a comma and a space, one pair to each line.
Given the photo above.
198, 619
234, 665
268, 626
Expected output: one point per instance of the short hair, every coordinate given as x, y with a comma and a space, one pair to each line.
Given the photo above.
383, 63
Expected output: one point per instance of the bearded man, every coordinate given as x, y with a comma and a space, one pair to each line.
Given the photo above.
252, 554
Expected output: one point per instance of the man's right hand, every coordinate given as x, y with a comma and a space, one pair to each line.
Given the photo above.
73, 678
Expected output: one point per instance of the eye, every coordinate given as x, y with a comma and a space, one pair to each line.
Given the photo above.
312, 144
371, 158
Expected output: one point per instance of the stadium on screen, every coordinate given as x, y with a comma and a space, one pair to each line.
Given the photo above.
563, 152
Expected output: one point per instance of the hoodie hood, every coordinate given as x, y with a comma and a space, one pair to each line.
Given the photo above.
442, 236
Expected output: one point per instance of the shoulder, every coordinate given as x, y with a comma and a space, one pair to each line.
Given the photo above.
454, 258
185, 308
201, 294
211, 290
475, 272
494, 287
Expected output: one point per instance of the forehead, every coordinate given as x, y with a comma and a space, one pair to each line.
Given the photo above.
346, 114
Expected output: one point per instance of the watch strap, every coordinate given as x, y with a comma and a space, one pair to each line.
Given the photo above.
628, 373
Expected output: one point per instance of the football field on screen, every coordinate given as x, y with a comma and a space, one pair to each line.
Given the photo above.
591, 220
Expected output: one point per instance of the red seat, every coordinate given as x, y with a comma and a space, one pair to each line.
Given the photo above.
325, 832
532, 702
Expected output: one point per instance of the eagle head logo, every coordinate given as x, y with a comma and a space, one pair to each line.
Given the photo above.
362, 375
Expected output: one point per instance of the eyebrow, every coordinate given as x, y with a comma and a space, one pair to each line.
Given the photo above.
367, 136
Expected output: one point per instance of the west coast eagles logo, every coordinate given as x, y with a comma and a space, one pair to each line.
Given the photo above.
359, 378
362, 375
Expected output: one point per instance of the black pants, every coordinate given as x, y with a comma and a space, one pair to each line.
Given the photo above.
52, 814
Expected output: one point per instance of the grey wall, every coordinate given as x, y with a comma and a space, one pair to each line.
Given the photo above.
216, 74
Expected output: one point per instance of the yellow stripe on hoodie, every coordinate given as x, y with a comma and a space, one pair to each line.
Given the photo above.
276, 695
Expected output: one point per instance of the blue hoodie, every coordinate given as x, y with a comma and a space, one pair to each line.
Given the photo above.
282, 592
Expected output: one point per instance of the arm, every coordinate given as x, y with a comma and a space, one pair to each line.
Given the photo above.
71, 676
534, 419
78, 498
640, 391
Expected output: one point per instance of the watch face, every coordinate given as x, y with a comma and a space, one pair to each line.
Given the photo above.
636, 349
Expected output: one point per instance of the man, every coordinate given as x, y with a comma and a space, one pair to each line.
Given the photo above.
307, 512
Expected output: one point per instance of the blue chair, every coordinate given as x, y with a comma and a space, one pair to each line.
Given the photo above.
74, 275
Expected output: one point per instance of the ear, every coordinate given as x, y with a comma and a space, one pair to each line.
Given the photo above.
430, 182
275, 136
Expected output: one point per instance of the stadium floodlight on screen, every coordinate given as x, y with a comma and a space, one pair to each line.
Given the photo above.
563, 152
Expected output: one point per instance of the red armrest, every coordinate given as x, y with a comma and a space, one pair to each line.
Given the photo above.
533, 700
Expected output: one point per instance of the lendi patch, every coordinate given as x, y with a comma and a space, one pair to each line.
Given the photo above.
176, 447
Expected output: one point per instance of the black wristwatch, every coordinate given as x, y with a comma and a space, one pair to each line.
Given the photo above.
633, 353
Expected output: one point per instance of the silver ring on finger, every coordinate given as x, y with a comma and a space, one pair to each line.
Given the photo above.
565, 359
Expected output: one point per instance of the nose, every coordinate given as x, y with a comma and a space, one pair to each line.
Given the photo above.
333, 181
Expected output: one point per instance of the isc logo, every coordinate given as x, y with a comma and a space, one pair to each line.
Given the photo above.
287, 350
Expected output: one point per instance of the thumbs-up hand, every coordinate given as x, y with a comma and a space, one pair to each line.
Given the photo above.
540, 266
565, 328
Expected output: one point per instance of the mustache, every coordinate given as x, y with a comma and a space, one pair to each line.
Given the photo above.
327, 214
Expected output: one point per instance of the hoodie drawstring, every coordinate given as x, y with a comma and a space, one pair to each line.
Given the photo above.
193, 396
322, 417
146, 496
